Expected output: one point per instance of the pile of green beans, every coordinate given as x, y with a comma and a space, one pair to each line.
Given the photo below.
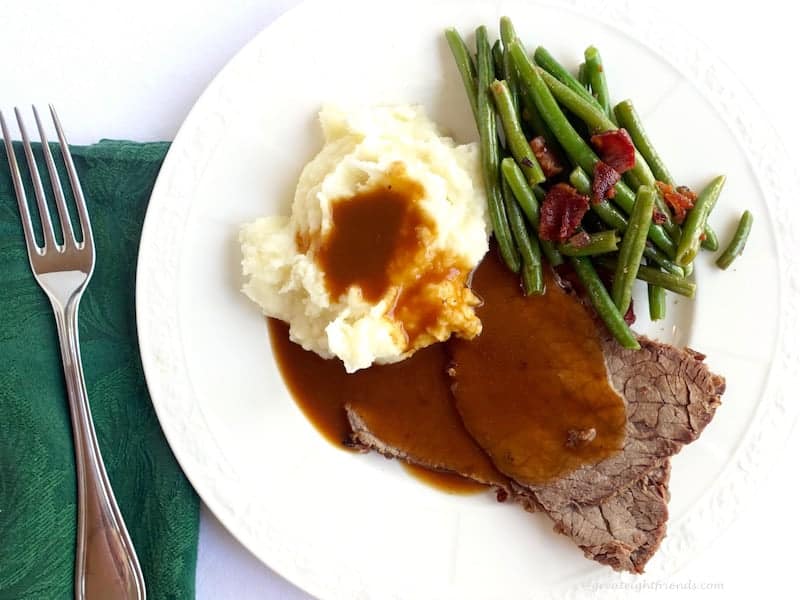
535, 95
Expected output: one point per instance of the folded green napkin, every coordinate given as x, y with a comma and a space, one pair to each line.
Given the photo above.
37, 470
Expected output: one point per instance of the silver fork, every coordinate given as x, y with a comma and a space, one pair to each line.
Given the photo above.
106, 566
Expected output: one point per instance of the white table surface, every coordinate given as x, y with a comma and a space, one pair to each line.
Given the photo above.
133, 69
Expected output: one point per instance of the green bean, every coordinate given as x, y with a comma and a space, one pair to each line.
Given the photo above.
490, 155
515, 138
688, 270
601, 242
497, 59
632, 249
530, 114
629, 119
465, 66
508, 35
655, 255
738, 241
624, 198
596, 120
668, 281
696, 221
545, 60
528, 201
582, 79
532, 279
657, 302
572, 143
570, 140
598, 296
710, 242
597, 78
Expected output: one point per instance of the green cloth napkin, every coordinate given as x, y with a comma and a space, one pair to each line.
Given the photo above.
37, 469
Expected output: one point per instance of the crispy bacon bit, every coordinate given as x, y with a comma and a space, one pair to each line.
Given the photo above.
603, 182
659, 218
679, 200
615, 149
579, 240
686, 191
561, 212
547, 160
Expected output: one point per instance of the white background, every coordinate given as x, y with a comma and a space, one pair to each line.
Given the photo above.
132, 70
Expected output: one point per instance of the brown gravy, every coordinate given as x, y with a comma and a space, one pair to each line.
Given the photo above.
373, 236
444, 481
407, 404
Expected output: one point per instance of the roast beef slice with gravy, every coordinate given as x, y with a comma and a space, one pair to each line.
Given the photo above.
623, 531
670, 397
474, 466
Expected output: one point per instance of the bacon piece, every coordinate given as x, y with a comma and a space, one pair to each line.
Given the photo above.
547, 159
561, 213
659, 218
616, 149
680, 200
630, 316
603, 182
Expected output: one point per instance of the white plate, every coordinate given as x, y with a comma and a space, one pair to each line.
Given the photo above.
345, 526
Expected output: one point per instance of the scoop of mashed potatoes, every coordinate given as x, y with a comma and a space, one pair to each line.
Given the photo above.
387, 223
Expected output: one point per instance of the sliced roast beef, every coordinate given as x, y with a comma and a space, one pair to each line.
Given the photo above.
469, 461
624, 530
529, 386
418, 424
670, 397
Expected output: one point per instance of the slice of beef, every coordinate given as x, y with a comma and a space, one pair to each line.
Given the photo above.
468, 461
413, 418
623, 531
670, 396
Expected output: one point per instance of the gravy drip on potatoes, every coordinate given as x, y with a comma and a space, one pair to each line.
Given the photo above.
381, 242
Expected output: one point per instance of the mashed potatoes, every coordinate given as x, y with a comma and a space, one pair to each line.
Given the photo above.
387, 222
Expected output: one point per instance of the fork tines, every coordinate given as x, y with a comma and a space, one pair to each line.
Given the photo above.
41, 199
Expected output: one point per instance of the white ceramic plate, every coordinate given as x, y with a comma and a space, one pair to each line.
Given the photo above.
345, 526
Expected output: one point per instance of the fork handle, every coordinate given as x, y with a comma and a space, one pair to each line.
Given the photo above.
105, 563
